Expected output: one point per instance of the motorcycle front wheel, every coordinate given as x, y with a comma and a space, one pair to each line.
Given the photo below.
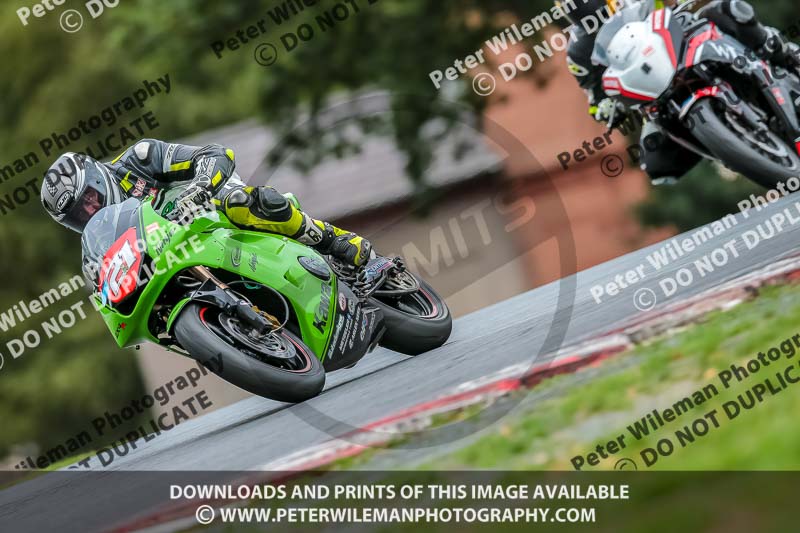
277, 366
761, 156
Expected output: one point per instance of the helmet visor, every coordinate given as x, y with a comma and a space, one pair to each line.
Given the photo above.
92, 200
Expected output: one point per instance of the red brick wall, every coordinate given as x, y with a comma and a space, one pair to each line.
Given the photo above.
551, 118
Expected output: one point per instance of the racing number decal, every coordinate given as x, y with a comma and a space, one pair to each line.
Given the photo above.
120, 265
120, 273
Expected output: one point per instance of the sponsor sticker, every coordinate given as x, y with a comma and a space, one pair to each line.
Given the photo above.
335, 339
138, 189
64, 200
352, 333
345, 335
364, 325
321, 316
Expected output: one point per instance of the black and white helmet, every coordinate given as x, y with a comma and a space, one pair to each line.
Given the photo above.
75, 188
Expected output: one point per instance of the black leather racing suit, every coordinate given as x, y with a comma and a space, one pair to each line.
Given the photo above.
165, 170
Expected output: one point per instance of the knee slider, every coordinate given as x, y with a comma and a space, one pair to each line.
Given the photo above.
273, 204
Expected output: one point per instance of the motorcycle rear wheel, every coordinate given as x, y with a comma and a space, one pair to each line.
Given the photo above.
415, 323
277, 366
740, 152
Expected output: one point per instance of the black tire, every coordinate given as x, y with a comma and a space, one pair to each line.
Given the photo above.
736, 152
413, 333
196, 333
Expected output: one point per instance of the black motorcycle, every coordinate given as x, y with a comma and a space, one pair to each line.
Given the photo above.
704, 90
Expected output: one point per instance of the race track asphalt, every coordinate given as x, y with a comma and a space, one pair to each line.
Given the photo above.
253, 432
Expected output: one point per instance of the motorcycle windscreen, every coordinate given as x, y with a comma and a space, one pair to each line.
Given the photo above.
112, 251
633, 12
643, 60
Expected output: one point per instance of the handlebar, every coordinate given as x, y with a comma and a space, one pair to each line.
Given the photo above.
188, 211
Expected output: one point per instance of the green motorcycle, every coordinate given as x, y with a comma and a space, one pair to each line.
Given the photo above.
262, 311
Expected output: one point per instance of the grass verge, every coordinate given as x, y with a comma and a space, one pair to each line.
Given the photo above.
659, 375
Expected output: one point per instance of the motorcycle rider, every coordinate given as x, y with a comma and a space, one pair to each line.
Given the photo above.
662, 159
183, 179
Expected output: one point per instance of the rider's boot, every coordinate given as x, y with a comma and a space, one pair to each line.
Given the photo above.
265, 209
345, 246
664, 160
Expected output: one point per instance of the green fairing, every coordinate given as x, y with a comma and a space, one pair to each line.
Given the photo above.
211, 240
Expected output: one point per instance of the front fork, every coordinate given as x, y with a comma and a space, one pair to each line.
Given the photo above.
724, 92
782, 92
217, 293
